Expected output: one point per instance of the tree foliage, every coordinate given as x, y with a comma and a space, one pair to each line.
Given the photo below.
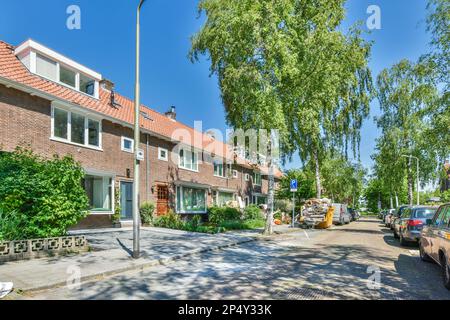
286, 65
44, 197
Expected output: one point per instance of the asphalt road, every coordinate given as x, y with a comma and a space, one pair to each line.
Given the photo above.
361, 260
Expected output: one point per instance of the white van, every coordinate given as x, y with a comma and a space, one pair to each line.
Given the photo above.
341, 214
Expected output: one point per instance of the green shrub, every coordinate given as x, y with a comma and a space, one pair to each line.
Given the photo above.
218, 215
48, 194
171, 221
282, 205
242, 225
253, 212
278, 215
11, 225
146, 211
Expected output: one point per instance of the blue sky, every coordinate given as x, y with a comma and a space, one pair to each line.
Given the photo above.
105, 43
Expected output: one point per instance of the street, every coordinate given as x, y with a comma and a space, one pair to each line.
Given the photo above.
344, 262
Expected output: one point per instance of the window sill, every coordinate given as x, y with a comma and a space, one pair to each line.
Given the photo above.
100, 212
187, 169
220, 177
76, 144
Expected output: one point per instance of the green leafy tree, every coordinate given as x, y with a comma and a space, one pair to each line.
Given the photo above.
407, 93
285, 65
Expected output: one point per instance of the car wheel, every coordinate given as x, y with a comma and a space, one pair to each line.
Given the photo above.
446, 273
395, 234
403, 242
423, 256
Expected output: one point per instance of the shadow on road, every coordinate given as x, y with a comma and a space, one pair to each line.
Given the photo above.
267, 270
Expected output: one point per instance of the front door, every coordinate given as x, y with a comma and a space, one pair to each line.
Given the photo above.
162, 203
126, 200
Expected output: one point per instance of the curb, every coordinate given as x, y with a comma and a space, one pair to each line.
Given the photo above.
137, 267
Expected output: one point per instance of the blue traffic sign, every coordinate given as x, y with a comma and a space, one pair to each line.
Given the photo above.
293, 185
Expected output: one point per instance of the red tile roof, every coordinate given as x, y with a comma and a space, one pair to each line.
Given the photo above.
12, 69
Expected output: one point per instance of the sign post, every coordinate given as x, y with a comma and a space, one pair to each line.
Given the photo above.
294, 188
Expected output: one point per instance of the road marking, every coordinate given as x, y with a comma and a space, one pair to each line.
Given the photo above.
306, 234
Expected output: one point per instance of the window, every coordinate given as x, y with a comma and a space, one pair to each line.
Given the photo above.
46, 67
191, 200
67, 76
163, 154
235, 174
218, 169
99, 191
229, 172
93, 133
49, 69
75, 128
61, 119
127, 145
257, 179
247, 177
259, 200
223, 198
188, 160
87, 85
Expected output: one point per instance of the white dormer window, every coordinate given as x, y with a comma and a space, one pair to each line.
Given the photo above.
58, 68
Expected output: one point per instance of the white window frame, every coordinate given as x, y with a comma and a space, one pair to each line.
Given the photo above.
112, 195
217, 162
122, 144
33, 62
87, 117
235, 174
254, 179
166, 158
193, 152
247, 177
179, 188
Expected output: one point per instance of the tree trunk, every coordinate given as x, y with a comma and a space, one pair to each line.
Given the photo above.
316, 162
410, 183
396, 200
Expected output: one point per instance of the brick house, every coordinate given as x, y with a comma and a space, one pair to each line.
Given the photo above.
55, 105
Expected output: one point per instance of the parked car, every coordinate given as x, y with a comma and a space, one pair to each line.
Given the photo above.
410, 224
434, 243
395, 216
341, 214
382, 214
388, 217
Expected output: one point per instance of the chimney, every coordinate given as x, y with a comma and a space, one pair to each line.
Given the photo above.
171, 114
107, 84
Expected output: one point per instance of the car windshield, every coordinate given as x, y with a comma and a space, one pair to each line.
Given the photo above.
424, 213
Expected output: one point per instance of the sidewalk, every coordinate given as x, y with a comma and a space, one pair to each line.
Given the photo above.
111, 255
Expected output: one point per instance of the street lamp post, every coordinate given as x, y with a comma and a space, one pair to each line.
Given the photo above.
136, 220
418, 182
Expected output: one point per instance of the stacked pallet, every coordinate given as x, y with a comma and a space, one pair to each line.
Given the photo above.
315, 210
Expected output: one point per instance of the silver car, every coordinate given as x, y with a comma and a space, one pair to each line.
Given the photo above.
410, 224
